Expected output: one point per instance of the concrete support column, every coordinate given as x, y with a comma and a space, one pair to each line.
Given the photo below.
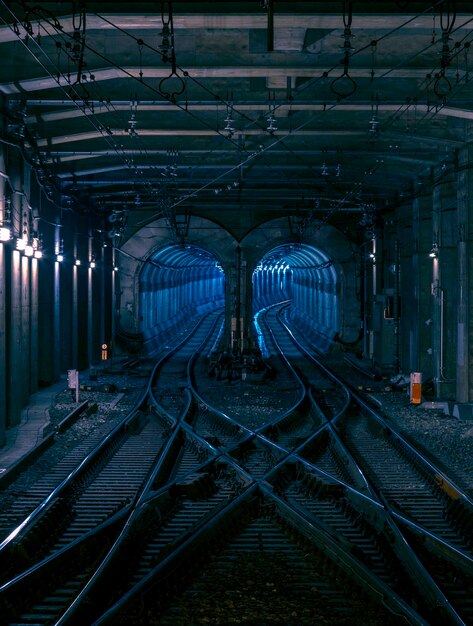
444, 280
18, 373
56, 347
464, 359
238, 324
437, 339
230, 302
75, 313
370, 257
244, 326
90, 299
238, 302
3, 344
4, 250
14, 349
113, 304
34, 325
419, 283
25, 328
103, 338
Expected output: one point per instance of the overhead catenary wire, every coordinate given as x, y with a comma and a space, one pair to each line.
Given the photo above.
261, 153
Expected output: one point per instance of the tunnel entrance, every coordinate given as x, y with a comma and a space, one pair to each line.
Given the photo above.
306, 277
178, 282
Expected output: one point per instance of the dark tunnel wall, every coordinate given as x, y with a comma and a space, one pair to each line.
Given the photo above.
177, 284
307, 277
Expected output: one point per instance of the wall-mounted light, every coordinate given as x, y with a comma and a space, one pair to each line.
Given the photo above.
115, 269
29, 250
77, 262
59, 258
21, 243
5, 223
5, 233
92, 264
38, 253
433, 254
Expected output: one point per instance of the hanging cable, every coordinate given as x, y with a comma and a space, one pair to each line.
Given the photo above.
373, 58
344, 86
466, 49
442, 85
168, 45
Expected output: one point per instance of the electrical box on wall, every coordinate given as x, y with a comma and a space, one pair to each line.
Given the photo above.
389, 309
383, 330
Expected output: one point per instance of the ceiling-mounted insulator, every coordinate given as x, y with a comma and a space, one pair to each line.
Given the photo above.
132, 123
271, 127
271, 117
374, 123
165, 45
167, 34
229, 122
324, 168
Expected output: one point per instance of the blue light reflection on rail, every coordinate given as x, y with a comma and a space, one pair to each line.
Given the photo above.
260, 336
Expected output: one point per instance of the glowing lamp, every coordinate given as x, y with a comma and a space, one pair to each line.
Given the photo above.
5, 233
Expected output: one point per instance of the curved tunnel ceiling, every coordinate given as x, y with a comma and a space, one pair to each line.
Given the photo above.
178, 283
179, 256
296, 256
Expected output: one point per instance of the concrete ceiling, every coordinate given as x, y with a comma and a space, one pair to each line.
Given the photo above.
252, 114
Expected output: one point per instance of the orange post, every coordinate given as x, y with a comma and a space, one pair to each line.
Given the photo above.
416, 387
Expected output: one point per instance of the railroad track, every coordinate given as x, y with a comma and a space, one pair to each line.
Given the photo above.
422, 502
92, 501
283, 519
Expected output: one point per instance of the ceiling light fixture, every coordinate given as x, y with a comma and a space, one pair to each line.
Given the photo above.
271, 118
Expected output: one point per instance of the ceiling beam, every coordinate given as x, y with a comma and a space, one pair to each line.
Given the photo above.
99, 108
152, 21
45, 83
179, 132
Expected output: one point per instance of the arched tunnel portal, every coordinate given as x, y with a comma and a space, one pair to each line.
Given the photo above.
179, 282
316, 270
164, 283
307, 278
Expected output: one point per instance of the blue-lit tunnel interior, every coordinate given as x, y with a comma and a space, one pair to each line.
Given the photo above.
177, 283
307, 277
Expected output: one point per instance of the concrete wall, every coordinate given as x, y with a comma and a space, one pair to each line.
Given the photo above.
433, 330
51, 315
